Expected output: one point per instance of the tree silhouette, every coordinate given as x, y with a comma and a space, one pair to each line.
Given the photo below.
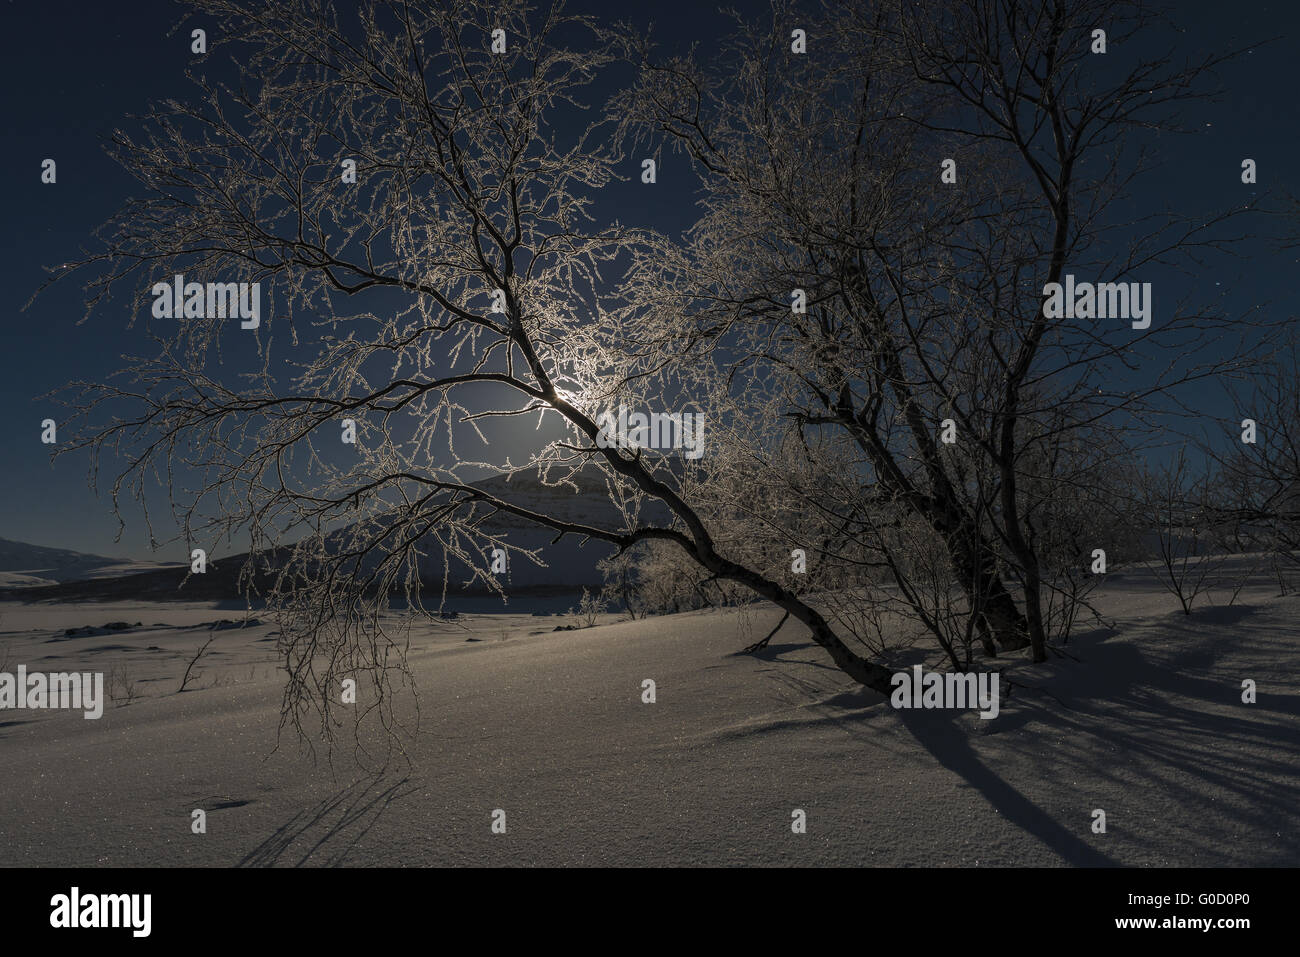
465, 276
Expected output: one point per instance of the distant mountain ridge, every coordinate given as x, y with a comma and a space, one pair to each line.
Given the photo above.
570, 564
22, 563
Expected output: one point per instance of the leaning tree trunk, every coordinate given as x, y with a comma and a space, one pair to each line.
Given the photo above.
874, 676
1020, 547
975, 563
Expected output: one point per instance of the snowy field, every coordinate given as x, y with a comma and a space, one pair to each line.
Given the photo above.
1147, 724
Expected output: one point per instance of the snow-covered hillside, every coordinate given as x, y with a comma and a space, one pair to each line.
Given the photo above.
1144, 721
566, 566
22, 563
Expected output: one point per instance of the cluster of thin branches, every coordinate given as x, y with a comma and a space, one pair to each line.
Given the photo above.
468, 282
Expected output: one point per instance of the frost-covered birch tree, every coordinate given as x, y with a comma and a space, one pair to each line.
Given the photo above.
890, 190
412, 186
400, 183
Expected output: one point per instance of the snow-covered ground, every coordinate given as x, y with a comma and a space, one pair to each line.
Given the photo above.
1147, 724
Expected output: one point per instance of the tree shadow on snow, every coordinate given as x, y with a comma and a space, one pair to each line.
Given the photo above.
943, 735
354, 810
1149, 725
1155, 722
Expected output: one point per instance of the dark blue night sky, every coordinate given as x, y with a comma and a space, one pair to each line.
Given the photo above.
73, 71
